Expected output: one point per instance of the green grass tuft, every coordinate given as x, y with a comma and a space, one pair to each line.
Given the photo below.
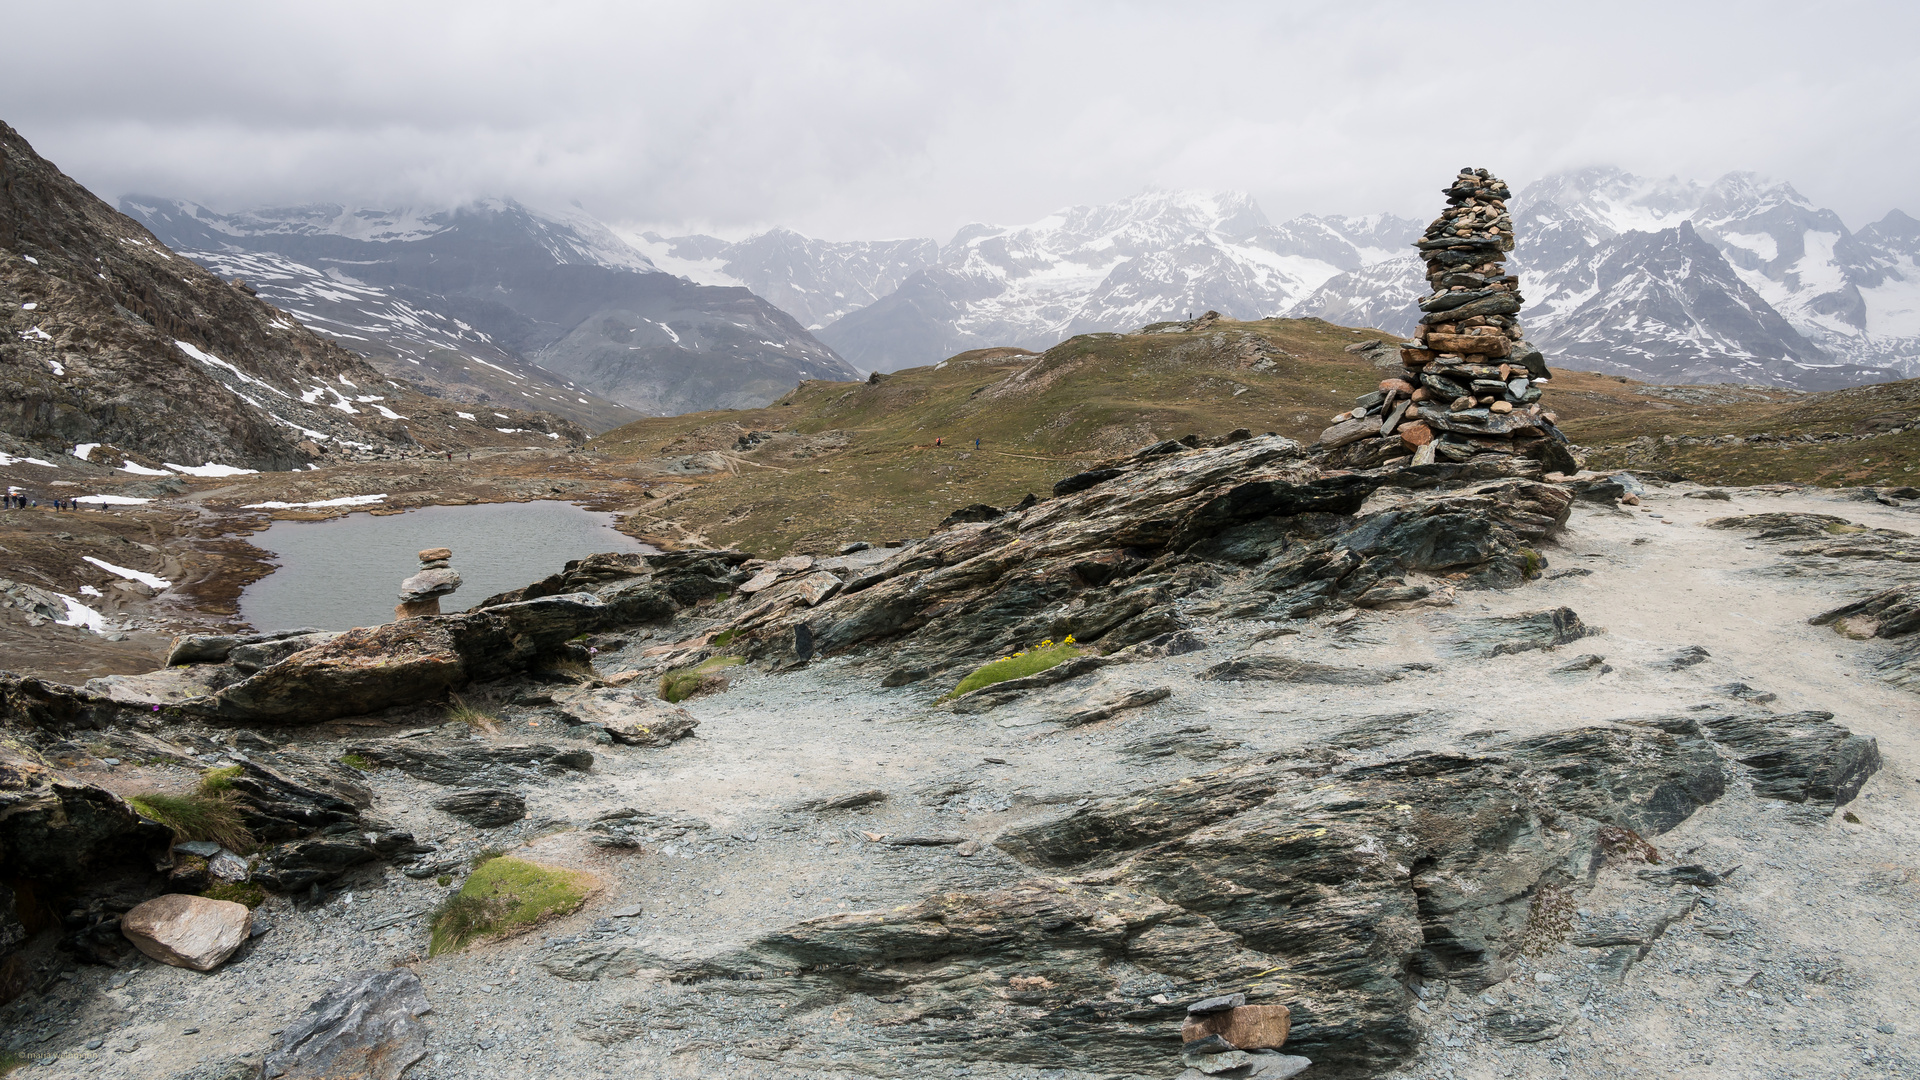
459, 712
1018, 666
221, 779
502, 895
355, 761
683, 683
238, 892
725, 637
11, 1060
201, 815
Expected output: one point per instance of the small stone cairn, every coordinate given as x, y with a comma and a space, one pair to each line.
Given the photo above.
1472, 385
421, 593
1228, 1039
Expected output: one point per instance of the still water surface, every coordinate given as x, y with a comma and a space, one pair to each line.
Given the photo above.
346, 572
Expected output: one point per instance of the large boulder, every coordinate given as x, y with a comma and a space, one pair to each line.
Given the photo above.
404, 663
188, 931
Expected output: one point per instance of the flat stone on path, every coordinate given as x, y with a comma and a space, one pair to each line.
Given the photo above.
188, 931
366, 1026
488, 808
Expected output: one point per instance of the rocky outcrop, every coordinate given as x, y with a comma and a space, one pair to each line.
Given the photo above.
1252, 527
1319, 892
486, 808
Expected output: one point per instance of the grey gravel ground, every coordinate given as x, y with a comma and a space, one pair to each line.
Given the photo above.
1815, 972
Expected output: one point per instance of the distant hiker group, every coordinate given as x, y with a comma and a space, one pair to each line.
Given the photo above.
16, 501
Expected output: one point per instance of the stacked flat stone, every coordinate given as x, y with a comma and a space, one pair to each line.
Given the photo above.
421, 593
1472, 385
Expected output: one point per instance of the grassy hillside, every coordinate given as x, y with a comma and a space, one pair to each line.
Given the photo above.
1863, 435
892, 457
860, 460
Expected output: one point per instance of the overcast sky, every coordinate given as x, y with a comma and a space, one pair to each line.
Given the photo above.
851, 120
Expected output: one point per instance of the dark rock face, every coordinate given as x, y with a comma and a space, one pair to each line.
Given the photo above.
336, 849
63, 845
60, 831
488, 808
1288, 669
287, 794
1797, 757
367, 1026
1323, 894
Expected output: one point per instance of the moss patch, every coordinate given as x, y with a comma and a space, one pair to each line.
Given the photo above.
504, 895
1018, 666
704, 677
355, 761
238, 892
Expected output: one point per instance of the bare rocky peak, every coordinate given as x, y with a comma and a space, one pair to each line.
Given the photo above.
111, 338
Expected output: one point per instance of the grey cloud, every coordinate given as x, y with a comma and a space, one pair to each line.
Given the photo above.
861, 120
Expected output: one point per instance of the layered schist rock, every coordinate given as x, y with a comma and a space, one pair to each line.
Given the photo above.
1473, 384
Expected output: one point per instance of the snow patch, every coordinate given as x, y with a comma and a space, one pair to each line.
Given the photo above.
79, 614
9, 459
81, 450
154, 581
347, 500
210, 469
113, 500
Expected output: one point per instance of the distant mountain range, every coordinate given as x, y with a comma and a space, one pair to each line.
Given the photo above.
494, 301
1670, 281
1158, 255
1665, 280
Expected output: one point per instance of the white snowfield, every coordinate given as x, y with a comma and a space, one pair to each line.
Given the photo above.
9, 459
141, 470
345, 500
150, 580
112, 500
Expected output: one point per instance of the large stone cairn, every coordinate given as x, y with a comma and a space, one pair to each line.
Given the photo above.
421, 593
1472, 385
